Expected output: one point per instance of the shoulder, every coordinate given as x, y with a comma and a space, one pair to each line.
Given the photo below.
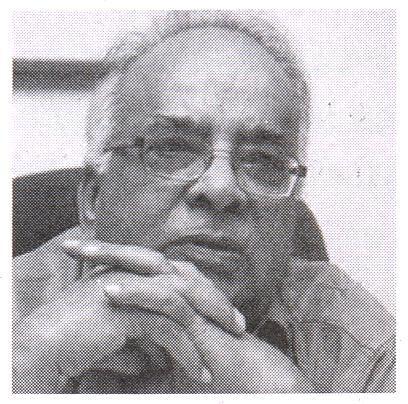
340, 335
41, 273
322, 292
44, 261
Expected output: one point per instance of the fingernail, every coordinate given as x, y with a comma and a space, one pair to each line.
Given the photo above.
113, 289
71, 244
240, 321
206, 376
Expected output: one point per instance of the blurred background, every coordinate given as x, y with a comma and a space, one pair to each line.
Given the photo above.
351, 58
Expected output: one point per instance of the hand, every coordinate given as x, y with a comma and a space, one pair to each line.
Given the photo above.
179, 287
175, 289
238, 364
79, 328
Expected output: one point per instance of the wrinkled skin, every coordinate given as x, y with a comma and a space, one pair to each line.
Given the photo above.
226, 84
227, 87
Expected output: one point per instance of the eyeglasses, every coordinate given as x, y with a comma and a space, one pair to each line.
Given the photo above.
259, 169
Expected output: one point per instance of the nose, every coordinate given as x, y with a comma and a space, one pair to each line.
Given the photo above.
217, 189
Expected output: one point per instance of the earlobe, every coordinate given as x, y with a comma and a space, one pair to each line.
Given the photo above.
87, 199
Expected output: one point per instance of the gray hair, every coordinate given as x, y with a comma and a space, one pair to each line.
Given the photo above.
100, 122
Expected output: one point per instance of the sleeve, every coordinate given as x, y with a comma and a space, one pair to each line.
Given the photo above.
40, 274
376, 373
343, 338
381, 378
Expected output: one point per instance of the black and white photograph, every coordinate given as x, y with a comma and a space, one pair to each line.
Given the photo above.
203, 201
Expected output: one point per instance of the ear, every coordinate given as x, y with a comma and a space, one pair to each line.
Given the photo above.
87, 198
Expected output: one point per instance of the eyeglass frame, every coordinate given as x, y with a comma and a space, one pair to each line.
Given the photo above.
300, 171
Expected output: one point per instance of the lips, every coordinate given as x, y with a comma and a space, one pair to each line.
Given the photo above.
208, 253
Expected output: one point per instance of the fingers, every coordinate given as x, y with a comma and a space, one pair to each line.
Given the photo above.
194, 287
154, 295
183, 300
180, 296
159, 326
175, 340
202, 294
132, 258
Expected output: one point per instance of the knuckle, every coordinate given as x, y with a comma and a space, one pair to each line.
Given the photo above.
186, 269
171, 303
178, 283
99, 270
199, 328
91, 250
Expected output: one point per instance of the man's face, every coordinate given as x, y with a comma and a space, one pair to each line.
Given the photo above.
219, 89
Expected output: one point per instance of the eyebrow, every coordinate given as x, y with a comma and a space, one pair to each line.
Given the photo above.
261, 133
258, 133
180, 123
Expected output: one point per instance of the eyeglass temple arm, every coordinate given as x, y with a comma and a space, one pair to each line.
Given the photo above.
300, 171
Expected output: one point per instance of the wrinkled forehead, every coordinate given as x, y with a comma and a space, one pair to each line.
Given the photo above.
215, 76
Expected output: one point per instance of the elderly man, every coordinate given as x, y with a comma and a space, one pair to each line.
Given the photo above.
181, 276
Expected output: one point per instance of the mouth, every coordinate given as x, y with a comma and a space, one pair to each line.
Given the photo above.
211, 254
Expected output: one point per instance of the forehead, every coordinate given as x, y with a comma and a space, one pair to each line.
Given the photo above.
216, 75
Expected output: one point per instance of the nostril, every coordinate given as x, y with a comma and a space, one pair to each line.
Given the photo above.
233, 207
201, 201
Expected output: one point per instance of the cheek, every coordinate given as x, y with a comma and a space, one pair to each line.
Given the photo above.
132, 209
276, 221
274, 239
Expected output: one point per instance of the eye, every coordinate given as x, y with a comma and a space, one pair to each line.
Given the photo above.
171, 154
129, 149
262, 159
169, 148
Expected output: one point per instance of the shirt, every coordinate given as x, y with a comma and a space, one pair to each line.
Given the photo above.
338, 334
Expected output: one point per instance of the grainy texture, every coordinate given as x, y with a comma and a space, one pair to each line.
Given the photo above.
190, 262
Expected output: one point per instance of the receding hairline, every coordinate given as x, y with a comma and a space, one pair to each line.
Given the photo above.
266, 33
179, 35
248, 22
175, 52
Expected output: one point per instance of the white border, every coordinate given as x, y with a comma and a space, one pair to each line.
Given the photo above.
6, 204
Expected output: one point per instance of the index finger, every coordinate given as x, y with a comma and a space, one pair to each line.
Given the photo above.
202, 294
134, 258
